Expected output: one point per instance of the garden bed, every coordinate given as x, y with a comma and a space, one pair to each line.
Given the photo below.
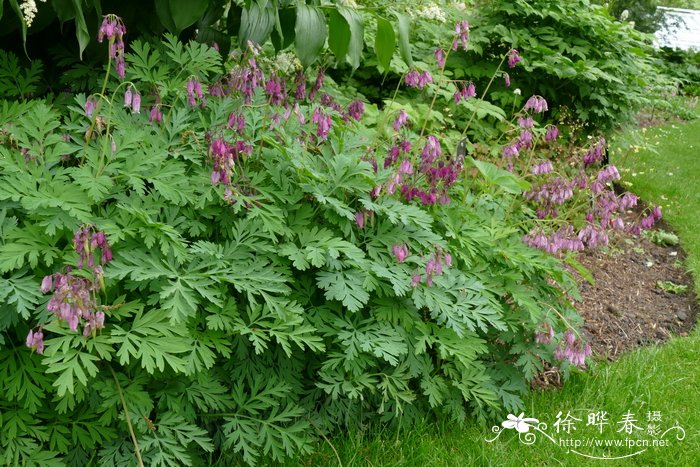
626, 308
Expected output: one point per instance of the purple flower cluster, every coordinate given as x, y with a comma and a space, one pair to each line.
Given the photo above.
194, 92
465, 93
155, 115
35, 341
401, 120
356, 109
552, 133
513, 58
595, 153
554, 192
545, 336
608, 174
236, 122
395, 151
246, 78
74, 302
563, 239
132, 100
542, 168
462, 35
572, 350
416, 79
537, 104
113, 29
434, 267
440, 58
85, 240
276, 90
90, 106
323, 122
526, 122
320, 78
224, 157
400, 252
439, 171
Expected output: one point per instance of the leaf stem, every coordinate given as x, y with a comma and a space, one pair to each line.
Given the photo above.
128, 419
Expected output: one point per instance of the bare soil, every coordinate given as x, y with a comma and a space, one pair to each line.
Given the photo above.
626, 308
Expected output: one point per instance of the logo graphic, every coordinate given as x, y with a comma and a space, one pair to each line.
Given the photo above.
568, 431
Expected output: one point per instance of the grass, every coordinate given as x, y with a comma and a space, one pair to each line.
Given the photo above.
663, 378
668, 174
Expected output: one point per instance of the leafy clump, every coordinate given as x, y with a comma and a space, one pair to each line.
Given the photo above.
252, 262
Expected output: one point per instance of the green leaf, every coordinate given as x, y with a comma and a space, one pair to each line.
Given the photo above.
499, 177
345, 286
404, 39
15, 7
338, 34
81, 29
357, 36
310, 30
283, 36
384, 43
177, 15
256, 24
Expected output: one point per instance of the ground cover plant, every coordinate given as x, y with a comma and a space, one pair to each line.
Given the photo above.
241, 228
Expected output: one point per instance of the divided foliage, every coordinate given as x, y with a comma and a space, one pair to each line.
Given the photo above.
575, 55
256, 296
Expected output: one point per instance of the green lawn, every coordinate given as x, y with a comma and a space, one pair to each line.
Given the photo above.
664, 379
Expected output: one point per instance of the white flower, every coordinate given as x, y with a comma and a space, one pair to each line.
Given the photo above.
519, 423
29, 11
624, 15
517, 91
461, 6
433, 12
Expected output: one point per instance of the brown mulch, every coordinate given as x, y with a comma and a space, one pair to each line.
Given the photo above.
625, 308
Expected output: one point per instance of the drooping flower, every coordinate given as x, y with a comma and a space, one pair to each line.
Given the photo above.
155, 115
415, 79
595, 153
462, 35
431, 151
400, 252
275, 88
537, 104
46, 284
90, 105
465, 93
136, 103
113, 29
542, 168
35, 341
401, 120
236, 121
513, 58
440, 57
545, 336
128, 97
506, 79
323, 123
526, 122
356, 109
360, 219
552, 133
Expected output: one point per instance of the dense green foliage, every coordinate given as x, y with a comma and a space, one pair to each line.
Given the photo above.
255, 256
305, 25
247, 310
